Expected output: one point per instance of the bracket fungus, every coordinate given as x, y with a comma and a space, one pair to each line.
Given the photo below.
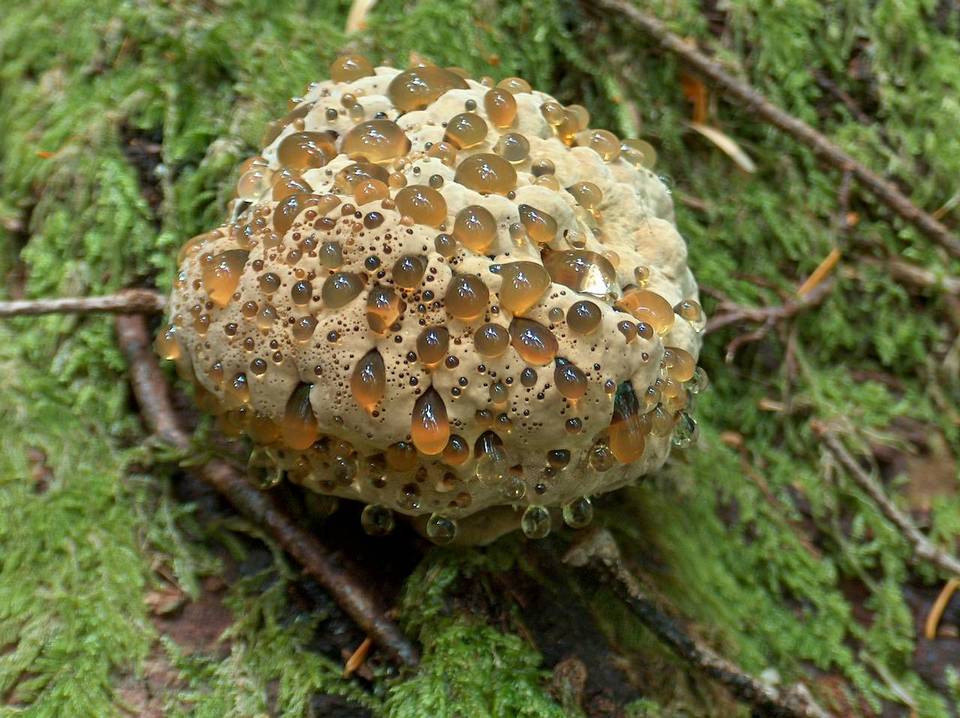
446, 298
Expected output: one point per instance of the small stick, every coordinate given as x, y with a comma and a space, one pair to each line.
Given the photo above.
728, 313
599, 554
939, 606
923, 548
820, 273
150, 389
127, 301
752, 100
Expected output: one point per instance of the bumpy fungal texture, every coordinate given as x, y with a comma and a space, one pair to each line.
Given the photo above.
439, 295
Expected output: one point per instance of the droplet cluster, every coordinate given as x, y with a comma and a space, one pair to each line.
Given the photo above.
440, 295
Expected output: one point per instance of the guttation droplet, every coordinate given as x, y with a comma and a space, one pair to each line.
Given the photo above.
441, 529
416, 88
299, 426
535, 522
535, 344
369, 381
222, 275
578, 514
429, 426
377, 520
523, 285
375, 141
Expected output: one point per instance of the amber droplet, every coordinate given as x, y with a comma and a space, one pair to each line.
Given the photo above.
299, 426
254, 183
351, 175
383, 308
584, 316
306, 150
287, 182
432, 345
540, 226
401, 456
501, 107
582, 271
303, 328
627, 437
290, 206
524, 283
301, 292
465, 130
603, 142
466, 297
424, 205
486, 173
691, 310
416, 88
570, 381
475, 228
513, 147
408, 270
445, 152
649, 307
638, 153
491, 340
587, 194
222, 275
534, 343
457, 450
429, 426
340, 289
369, 380
680, 363
375, 141
445, 244
514, 85
370, 190
167, 346
552, 112
347, 68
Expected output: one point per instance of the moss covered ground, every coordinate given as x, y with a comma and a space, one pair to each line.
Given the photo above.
121, 124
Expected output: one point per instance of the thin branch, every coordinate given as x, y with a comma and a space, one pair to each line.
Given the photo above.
599, 555
923, 548
127, 301
753, 101
150, 388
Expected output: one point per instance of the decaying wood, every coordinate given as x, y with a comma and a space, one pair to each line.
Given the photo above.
127, 301
599, 556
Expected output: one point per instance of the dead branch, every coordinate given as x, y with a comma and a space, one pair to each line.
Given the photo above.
151, 391
923, 548
600, 556
754, 101
127, 301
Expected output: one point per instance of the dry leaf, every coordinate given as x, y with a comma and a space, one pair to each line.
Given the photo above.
727, 144
695, 90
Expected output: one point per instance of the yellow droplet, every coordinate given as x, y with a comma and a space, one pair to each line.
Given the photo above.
584, 317
383, 308
408, 270
513, 147
514, 85
491, 340
534, 343
475, 228
370, 190
416, 88
680, 363
486, 173
501, 107
340, 289
465, 130
369, 380
466, 297
432, 345
570, 381
424, 205
587, 194
299, 426
627, 435
582, 271
347, 68
649, 307
603, 142
540, 226
375, 141
457, 450
523, 285
306, 150
351, 175
429, 426
222, 275
638, 153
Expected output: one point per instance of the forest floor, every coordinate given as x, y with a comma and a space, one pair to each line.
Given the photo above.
129, 588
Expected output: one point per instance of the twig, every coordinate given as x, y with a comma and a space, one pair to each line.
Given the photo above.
753, 101
599, 554
923, 548
728, 313
917, 276
150, 389
127, 301
939, 606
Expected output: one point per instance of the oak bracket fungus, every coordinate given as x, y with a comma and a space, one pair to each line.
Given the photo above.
446, 298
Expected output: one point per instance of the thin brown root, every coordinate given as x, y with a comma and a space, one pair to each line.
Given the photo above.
127, 301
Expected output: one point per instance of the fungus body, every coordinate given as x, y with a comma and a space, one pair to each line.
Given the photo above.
442, 296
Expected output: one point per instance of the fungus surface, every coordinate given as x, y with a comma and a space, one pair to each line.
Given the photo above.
442, 297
